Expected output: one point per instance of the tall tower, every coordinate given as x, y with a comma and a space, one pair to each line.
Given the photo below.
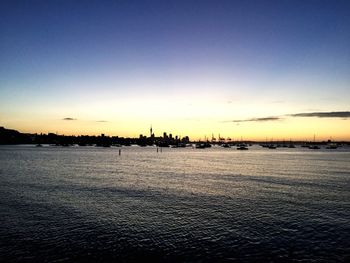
150, 131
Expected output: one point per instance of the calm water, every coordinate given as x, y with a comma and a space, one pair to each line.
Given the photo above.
89, 204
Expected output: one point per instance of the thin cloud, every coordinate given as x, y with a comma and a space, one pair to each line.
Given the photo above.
69, 119
257, 119
331, 114
101, 121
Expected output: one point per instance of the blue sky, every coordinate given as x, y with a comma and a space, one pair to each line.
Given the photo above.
105, 60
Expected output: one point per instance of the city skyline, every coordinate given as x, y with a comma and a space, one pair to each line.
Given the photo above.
252, 69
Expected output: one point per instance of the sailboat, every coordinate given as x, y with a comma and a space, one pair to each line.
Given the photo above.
242, 145
291, 145
314, 146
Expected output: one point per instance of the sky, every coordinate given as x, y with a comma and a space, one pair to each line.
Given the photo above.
241, 69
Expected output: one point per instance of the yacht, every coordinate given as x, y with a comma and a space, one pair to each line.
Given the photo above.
242, 146
332, 146
314, 147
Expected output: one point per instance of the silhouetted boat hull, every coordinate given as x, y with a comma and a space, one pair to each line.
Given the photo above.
242, 148
314, 147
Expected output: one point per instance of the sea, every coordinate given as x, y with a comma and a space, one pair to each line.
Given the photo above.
90, 204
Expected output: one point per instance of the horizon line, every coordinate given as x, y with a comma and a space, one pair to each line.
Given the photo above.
199, 138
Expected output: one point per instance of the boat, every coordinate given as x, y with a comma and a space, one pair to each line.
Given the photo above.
332, 146
202, 145
207, 145
314, 147
291, 145
242, 147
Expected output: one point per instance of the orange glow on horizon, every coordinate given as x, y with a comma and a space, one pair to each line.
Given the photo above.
302, 129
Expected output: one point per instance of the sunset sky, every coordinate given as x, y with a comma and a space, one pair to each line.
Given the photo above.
250, 69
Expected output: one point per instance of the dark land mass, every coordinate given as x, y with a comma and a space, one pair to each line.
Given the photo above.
9, 136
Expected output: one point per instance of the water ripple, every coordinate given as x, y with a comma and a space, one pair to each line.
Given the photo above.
70, 205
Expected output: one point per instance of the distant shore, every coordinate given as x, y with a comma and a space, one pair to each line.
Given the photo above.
9, 136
